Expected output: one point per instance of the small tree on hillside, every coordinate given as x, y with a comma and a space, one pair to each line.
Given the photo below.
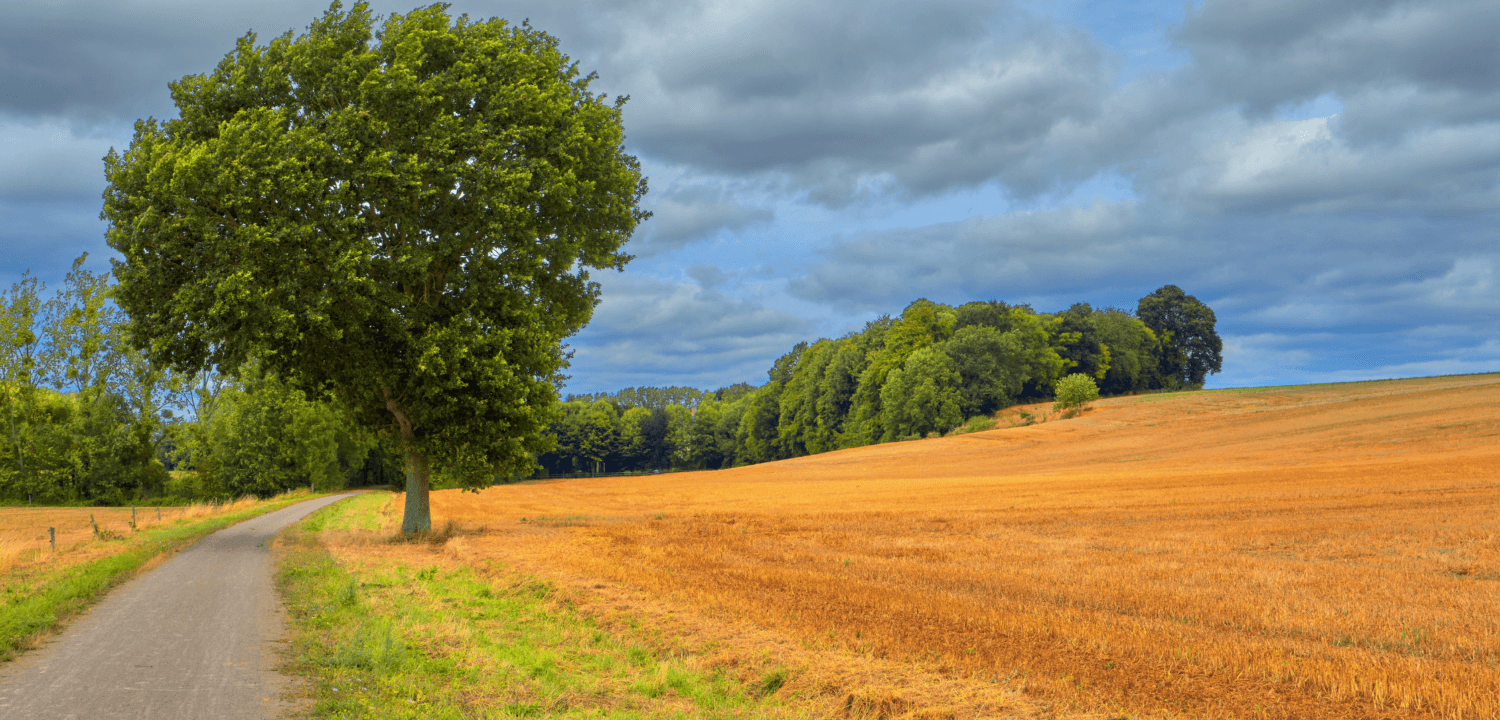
1075, 391
404, 217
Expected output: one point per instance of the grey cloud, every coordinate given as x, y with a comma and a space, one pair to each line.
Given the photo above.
960, 94
1300, 298
97, 61
843, 100
44, 236
837, 99
48, 161
1417, 132
1329, 272
1270, 53
708, 277
106, 61
1280, 350
930, 97
1006, 257
1311, 166
1385, 114
646, 329
1280, 358
688, 213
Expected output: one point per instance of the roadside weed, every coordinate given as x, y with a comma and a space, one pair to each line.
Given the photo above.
380, 636
34, 600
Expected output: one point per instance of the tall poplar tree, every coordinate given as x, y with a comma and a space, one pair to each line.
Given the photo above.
403, 216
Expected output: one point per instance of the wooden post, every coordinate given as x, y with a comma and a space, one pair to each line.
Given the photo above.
52, 536
158, 513
91, 522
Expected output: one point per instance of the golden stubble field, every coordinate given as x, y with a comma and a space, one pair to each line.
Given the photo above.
1305, 552
26, 546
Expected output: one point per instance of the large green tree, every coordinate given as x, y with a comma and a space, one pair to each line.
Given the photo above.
991, 367
1190, 347
1077, 342
20, 348
404, 216
921, 396
1133, 351
266, 437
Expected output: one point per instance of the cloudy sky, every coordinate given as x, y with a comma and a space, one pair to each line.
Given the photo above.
1325, 174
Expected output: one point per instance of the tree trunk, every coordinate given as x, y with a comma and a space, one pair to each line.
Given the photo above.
418, 517
20, 454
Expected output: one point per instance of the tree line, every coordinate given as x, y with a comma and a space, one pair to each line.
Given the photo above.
925, 372
88, 419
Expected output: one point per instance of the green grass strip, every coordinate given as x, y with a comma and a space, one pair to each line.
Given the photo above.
378, 639
41, 603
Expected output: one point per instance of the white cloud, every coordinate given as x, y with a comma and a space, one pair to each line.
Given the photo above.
1308, 166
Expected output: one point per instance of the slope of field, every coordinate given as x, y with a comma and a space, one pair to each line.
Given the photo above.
1304, 552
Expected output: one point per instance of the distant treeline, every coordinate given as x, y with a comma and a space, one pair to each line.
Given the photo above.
916, 375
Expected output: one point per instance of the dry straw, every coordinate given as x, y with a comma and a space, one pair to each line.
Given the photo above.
1316, 552
86, 533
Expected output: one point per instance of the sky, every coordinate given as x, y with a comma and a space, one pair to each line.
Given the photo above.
1324, 174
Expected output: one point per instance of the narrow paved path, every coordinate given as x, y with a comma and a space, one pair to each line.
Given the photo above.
193, 638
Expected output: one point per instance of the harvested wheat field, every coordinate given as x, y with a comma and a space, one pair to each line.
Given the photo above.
26, 544
1303, 552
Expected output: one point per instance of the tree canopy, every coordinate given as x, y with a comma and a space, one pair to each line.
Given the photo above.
933, 369
1191, 349
403, 216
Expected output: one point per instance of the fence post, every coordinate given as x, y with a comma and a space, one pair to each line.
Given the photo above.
132, 517
158, 513
52, 536
95, 524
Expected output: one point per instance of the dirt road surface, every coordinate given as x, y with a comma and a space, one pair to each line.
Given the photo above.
194, 638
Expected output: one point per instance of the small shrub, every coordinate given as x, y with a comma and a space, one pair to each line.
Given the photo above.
348, 594
978, 423
1075, 391
363, 651
772, 682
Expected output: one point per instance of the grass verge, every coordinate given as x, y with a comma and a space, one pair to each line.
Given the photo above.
388, 630
35, 604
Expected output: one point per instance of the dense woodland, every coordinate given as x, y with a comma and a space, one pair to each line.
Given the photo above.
86, 419
935, 369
